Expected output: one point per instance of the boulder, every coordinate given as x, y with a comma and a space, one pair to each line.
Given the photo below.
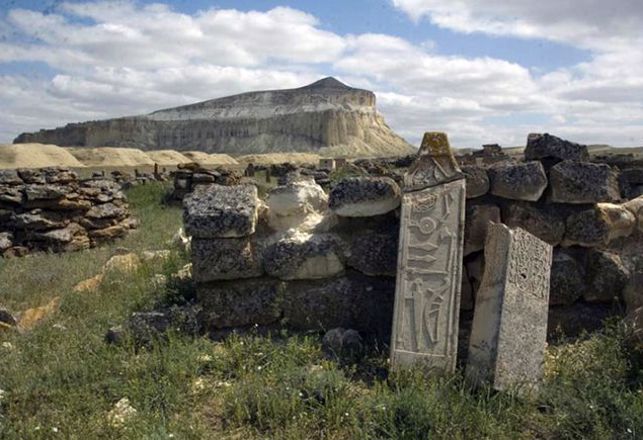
217, 211
546, 146
126, 263
289, 205
517, 180
305, 256
567, 279
374, 254
542, 221
598, 225
240, 303
364, 196
225, 259
477, 181
608, 277
581, 182
477, 220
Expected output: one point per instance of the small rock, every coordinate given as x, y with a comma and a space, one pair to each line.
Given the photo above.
127, 263
518, 181
32, 317
90, 284
115, 335
7, 319
343, 344
122, 413
6, 241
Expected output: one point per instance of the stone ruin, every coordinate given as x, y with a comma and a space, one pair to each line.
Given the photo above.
569, 253
52, 210
188, 176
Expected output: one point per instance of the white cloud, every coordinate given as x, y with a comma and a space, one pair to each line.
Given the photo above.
123, 58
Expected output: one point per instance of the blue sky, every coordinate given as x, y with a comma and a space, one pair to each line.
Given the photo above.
484, 71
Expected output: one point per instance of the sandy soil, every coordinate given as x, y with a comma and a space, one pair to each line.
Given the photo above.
167, 157
206, 159
277, 158
111, 157
36, 156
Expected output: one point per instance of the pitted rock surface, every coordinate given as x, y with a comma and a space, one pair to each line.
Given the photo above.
518, 181
567, 280
579, 182
225, 259
542, 221
477, 181
546, 146
364, 196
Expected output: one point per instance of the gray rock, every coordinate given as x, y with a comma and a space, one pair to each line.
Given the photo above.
599, 225
10, 177
608, 277
576, 318
11, 195
59, 236
343, 344
6, 241
546, 146
579, 182
216, 211
374, 253
567, 279
518, 181
542, 221
59, 175
44, 192
477, 181
38, 220
477, 220
364, 196
305, 256
31, 176
240, 303
225, 259
106, 210
115, 335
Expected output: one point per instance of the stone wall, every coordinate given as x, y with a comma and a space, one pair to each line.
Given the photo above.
307, 260
51, 209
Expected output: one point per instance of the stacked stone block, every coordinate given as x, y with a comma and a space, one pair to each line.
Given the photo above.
51, 209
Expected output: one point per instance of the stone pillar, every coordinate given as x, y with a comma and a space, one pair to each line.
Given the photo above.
427, 294
510, 320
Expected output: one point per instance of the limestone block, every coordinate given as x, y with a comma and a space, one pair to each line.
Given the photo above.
580, 182
427, 294
567, 281
509, 331
546, 146
598, 225
374, 254
608, 277
225, 259
477, 220
10, 177
240, 303
38, 220
289, 205
477, 181
60, 236
109, 233
364, 196
518, 181
542, 221
302, 256
216, 211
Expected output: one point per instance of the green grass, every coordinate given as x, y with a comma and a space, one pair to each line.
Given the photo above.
62, 379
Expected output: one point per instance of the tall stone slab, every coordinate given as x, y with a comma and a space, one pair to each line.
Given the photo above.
509, 329
427, 294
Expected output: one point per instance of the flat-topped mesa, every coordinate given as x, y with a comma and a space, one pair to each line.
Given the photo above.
326, 117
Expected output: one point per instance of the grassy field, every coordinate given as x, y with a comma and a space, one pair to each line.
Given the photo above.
62, 380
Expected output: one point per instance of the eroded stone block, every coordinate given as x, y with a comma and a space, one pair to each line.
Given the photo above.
216, 259
364, 196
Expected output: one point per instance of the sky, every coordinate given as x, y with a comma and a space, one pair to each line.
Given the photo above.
484, 71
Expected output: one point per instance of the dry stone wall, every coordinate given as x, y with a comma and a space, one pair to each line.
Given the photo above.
308, 261
51, 209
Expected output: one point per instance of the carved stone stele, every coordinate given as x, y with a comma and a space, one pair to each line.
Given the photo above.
427, 294
509, 329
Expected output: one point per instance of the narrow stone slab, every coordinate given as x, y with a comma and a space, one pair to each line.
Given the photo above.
427, 294
509, 329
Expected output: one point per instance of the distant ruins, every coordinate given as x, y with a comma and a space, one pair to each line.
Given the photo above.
326, 117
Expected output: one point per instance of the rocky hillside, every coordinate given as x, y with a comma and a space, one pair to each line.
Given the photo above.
326, 117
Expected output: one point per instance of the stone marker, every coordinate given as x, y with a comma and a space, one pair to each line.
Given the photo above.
427, 294
509, 329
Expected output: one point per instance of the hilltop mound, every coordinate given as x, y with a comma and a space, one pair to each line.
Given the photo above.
277, 158
205, 159
167, 157
327, 118
36, 156
111, 157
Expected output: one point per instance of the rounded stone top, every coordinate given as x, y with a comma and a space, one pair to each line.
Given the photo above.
364, 196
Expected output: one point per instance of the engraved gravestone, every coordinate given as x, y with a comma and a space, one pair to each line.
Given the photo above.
510, 320
427, 294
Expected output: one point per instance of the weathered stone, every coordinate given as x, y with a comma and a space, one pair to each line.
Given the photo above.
38, 220
30, 318
374, 253
598, 225
6, 318
240, 303
123, 263
106, 210
509, 331
546, 146
305, 256
477, 220
542, 221
16, 251
216, 211
90, 284
6, 241
10, 177
343, 344
518, 180
225, 259
60, 236
608, 277
580, 182
427, 295
59, 175
109, 233
289, 205
31, 176
352, 301
364, 196
576, 318
635, 206
635, 321
567, 280
633, 292
11, 195
35, 193
477, 181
